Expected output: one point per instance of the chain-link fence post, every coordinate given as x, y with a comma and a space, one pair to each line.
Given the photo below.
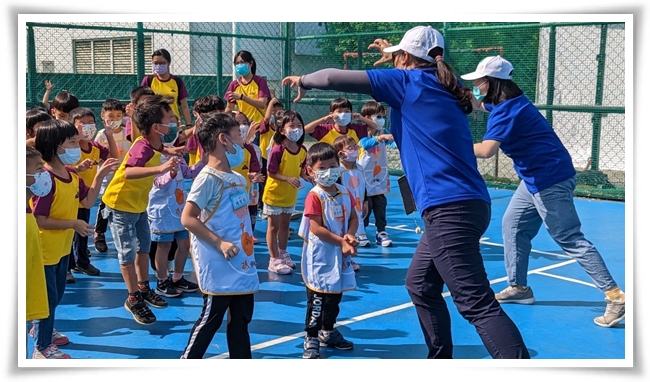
597, 117
139, 53
550, 94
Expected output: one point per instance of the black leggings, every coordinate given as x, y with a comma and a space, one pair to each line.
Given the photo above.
322, 311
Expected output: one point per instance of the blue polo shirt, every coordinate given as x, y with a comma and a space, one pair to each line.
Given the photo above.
538, 156
433, 137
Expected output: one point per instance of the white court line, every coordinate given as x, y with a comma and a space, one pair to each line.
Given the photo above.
565, 278
366, 316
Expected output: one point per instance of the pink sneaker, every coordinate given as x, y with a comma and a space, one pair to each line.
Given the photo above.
355, 266
58, 339
51, 352
286, 258
278, 266
255, 241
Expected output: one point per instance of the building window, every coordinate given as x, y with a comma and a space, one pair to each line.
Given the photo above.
47, 66
107, 56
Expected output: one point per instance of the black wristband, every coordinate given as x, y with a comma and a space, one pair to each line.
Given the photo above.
301, 84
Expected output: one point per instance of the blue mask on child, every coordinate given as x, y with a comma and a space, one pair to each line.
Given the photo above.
172, 135
242, 69
70, 156
234, 160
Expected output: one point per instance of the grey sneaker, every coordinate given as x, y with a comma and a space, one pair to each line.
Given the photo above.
513, 295
334, 340
312, 348
614, 313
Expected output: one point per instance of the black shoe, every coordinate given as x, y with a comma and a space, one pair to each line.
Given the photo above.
153, 299
186, 286
168, 289
69, 278
90, 270
334, 339
100, 243
141, 313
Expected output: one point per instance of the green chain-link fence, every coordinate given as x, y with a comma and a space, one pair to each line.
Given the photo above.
573, 72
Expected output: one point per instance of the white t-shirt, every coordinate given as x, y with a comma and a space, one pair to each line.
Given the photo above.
206, 188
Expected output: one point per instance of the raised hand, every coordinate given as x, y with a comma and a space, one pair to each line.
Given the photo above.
294, 81
108, 166
380, 44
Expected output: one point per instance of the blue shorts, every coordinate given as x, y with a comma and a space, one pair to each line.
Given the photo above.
130, 233
168, 237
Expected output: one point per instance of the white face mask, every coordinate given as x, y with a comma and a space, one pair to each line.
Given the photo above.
89, 130
327, 178
243, 131
114, 124
380, 121
351, 156
343, 119
294, 135
42, 184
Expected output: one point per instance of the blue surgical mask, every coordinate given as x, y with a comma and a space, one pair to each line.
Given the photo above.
160, 69
242, 69
172, 135
234, 160
70, 156
477, 93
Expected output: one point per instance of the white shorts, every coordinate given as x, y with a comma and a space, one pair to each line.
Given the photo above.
273, 211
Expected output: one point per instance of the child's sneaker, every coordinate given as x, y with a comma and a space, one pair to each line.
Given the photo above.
153, 299
382, 239
312, 348
185, 285
363, 240
58, 339
255, 241
513, 294
100, 242
167, 289
140, 311
69, 278
278, 266
614, 313
50, 352
334, 339
355, 266
286, 258
90, 270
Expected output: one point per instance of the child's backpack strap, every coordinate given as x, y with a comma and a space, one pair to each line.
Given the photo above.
149, 79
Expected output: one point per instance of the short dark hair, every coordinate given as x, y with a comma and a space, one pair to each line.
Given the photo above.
321, 151
36, 115
139, 92
342, 141
113, 104
371, 108
65, 101
501, 90
340, 103
209, 103
164, 53
33, 153
150, 112
246, 56
282, 117
51, 135
80, 112
278, 103
212, 125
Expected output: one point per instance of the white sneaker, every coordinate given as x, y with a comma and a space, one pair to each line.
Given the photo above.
363, 240
382, 239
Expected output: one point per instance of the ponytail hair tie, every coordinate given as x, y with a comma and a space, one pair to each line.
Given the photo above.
438, 58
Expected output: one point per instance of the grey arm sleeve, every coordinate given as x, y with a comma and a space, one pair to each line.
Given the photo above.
349, 81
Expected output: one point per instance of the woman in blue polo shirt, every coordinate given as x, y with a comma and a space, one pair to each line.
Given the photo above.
545, 193
429, 123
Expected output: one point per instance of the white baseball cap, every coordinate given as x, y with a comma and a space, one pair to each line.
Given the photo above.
493, 66
419, 41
